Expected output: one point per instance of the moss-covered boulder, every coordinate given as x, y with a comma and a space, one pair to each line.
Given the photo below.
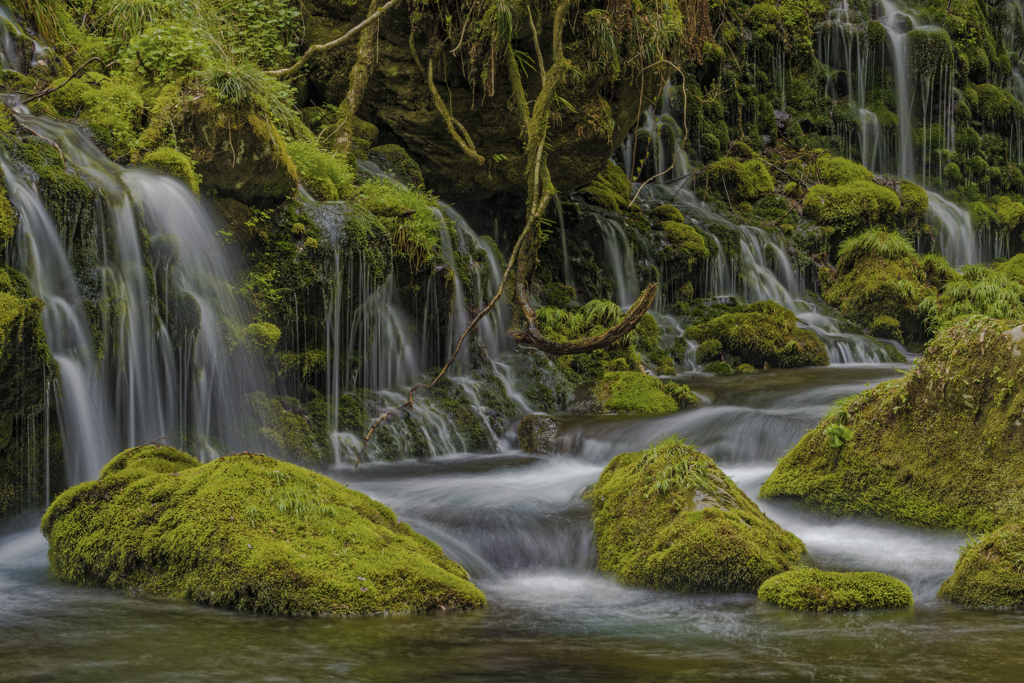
668, 517
172, 162
246, 532
813, 590
990, 571
763, 333
735, 180
537, 433
939, 446
638, 393
239, 155
854, 206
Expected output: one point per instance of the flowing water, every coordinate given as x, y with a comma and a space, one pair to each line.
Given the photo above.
517, 523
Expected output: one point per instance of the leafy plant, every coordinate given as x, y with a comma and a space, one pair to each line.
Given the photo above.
838, 435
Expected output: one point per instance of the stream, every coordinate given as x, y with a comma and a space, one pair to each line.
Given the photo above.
516, 522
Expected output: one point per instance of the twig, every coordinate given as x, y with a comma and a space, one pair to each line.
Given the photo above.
31, 97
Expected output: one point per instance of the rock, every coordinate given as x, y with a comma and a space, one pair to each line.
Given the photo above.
239, 155
763, 332
537, 433
246, 532
988, 573
938, 447
668, 517
813, 590
636, 393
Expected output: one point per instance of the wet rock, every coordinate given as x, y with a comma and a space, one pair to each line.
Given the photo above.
668, 517
246, 532
537, 433
813, 590
989, 571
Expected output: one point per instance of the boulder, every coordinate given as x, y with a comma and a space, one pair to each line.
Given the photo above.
537, 433
938, 447
668, 517
813, 590
246, 532
989, 572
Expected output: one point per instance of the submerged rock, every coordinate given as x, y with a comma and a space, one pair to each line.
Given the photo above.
247, 532
990, 571
763, 333
668, 517
537, 433
939, 446
813, 590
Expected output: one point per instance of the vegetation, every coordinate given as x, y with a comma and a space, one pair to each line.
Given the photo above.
669, 518
246, 532
989, 571
813, 590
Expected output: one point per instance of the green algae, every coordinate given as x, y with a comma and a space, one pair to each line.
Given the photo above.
246, 532
669, 518
813, 590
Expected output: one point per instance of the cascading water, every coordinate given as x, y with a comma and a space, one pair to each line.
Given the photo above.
162, 374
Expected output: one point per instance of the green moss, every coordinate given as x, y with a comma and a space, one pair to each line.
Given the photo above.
173, 162
408, 215
736, 180
763, 333
709, 351
937, 447
1013, 268
668, 517
683, 395
913, 203
854, 206
813, 590
978, 291
685, 245
246, 532
537, 433
280, 425
396, 161
610, 190
470, 427
990, 571
262, 337
326, 175
648, 335
8, 219
634, 393
114, 112
719, 368
839, 171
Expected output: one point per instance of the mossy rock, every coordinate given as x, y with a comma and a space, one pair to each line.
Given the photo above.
396, 161
990, 571
246, 532
668, 517
736, 180
610, 190
813, 590
634, 393
857, 205
763, 333
537, 433
8, 219
937, 447
174, 163
239, 155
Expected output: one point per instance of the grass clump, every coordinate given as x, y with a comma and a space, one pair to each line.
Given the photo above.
327, 176
759, 334
937, 447
246, 532
813, 590
409, 216
978, 291
990, 571
668, 517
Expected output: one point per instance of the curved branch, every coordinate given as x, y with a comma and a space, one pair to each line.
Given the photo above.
315, 49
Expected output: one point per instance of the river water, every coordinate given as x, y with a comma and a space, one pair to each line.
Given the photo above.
517, 523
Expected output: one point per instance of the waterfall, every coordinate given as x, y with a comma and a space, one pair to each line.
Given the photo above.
153, 379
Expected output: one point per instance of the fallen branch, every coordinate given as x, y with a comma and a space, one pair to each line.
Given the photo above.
32, 97
315, 49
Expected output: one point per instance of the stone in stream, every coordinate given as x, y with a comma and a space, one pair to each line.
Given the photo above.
990, 571
668, 517
537, 433
939, 446
247, 532
813, 590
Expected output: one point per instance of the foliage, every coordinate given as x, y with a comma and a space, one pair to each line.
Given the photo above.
979, 291
318, 168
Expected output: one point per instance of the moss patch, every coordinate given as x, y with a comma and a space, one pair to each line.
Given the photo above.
938, 447
668, 517
990, 571
762, 333
633, 392
813, 590
246, 532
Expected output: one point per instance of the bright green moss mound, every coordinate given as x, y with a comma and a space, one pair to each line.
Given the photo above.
641, 394
990, 571
937, 447
813, 590
853, 206
736, 180
763, 333
173, 162
610, 190
246, 532
668, 517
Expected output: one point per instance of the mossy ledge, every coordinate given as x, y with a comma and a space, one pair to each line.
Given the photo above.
813, 590
668, 517
990, 571
246, 532
938, 447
